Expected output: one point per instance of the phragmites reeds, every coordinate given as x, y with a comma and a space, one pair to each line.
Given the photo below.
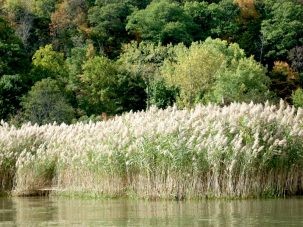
240, 150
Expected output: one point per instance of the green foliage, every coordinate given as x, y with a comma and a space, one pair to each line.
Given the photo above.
137, 3
248, 38
49, 63
106, 88
98, 86
193, 71
161, 95
76, 60
68, 27
13, 66
131, 92
297, 97
215, 71
201, 16
108, 26
143, 60
133, 33
13, 58
162, 21
12, 88
245, 81
45, 103
78, 56
223, 20
74, 63
31, 20
283, 29
41, 8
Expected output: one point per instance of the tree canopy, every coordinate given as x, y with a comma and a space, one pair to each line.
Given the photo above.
114, 56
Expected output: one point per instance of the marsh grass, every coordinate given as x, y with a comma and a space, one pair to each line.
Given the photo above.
240, 150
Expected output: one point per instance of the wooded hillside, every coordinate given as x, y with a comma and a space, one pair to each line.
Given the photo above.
70, 60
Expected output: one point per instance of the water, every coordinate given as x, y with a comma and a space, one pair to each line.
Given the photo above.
76, 212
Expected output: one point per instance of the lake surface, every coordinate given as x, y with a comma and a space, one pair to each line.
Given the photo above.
78, 212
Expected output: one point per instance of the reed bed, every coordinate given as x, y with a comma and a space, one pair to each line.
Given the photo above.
240, 150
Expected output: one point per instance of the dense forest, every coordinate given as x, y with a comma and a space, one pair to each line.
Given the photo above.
76, 60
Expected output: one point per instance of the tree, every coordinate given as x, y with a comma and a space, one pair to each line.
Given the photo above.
13, 67
249, 21
68, 27
207, 71
245, 81
297, 98
98, 87
43, 8
140, 4
162, 21
108, 26
282, 29
193, 71
49, 63
13, 58
131, 92
74, 63
12, 88
224, 20
161, 95
295, 56
201, 16
143, 61
45, 103
31, 19
284, 80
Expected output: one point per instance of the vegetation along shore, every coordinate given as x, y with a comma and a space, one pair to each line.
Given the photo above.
174, 99
240, 150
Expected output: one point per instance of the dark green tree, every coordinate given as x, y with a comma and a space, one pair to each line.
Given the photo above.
224, 20
11, 90
131, 92
106, 87
201, 16
108, 26
98, 87
14, 64
140, 4
282, 30
162, 95
13, 58
46, 103
162, 21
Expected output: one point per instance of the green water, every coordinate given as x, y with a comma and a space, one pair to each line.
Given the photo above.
76, 212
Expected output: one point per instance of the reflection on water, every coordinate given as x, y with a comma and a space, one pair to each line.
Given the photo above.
72, 212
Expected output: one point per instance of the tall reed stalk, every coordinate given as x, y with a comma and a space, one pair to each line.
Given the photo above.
240, 150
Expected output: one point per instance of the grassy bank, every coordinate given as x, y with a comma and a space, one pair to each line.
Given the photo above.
241, 150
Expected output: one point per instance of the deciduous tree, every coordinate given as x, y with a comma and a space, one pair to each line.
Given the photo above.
45, 103
282, 29
162, 21
215, 71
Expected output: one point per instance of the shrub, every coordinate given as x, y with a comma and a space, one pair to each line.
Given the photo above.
297, 98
